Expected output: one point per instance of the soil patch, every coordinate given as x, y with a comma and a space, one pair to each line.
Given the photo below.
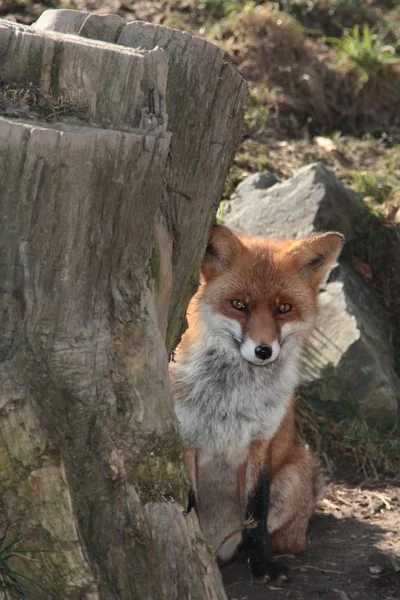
353, 553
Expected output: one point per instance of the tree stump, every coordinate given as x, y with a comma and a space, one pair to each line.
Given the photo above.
113, 157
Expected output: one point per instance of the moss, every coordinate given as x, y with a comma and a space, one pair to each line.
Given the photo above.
158, 472
221, 212
210, 551
200, 539
155, 267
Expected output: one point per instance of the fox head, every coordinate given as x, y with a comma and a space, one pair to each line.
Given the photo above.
259, 297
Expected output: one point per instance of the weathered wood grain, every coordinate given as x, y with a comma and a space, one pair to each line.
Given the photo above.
204, 102
104, 217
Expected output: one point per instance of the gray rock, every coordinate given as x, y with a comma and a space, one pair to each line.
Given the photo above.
348, 364
254, 183
313, 200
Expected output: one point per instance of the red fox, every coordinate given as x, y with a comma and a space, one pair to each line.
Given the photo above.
253, 482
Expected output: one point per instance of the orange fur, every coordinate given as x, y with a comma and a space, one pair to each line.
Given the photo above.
263, 275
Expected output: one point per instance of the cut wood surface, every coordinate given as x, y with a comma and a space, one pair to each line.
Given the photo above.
113, 157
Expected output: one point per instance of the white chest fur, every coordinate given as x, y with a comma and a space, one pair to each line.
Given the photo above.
229, 402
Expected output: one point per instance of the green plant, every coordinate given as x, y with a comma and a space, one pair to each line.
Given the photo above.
231, 16
309, 5
10, 580
220, 212
371, 185
366, 51
220, 9
257, 111
336, 135
290, 5
348, 3
206, 17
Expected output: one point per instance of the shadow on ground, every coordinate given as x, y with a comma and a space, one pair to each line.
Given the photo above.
353, 554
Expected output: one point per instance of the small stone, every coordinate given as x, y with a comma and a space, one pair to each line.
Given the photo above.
376, 507
375, 570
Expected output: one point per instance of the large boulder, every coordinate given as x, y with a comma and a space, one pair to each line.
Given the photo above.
313, 200
349, 362
257, 182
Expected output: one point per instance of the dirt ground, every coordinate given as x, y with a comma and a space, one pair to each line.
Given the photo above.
353, 553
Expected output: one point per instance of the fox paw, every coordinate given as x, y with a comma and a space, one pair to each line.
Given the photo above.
274, 571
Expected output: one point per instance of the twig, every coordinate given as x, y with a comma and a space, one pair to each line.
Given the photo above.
384, 499
317, 569
249, 524
338, 495
330, 504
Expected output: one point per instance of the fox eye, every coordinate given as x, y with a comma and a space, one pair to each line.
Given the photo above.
283, 308
239, 305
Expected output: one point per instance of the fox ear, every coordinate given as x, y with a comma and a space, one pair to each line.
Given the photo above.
221, 251
315, 256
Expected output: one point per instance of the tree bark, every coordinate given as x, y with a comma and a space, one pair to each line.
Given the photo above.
113, 157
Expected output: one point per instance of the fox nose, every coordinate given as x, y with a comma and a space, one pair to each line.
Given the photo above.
263, 352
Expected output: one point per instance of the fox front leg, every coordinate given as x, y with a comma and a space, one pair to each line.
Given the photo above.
256, 543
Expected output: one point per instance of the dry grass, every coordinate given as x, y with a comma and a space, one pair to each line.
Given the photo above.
24, 100
305, 89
